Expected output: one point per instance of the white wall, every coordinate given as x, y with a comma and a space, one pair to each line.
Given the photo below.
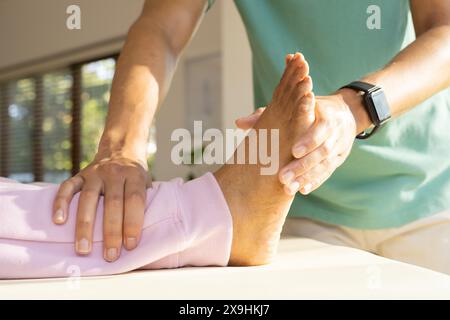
32, 30
171, 114
34, 37
237, 80
221, 31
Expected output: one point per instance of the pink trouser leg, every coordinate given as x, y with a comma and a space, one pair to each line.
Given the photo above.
186, 224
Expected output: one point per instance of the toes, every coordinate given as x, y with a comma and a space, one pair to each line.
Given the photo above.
296, 70
298, 56
296, 62
296, 78
288, 58
289, 70
301, 69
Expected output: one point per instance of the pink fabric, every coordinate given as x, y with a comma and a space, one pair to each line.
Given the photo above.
185, 224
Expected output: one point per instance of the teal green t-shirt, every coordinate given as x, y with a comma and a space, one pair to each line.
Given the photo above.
400, 174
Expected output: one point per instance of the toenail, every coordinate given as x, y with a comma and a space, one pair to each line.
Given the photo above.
287, 177
298, 55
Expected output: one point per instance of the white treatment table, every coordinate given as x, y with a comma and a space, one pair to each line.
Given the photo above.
303, 269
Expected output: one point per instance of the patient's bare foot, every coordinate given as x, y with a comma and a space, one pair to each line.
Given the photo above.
257, 202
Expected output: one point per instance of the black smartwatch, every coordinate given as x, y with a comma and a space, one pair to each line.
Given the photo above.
375, 103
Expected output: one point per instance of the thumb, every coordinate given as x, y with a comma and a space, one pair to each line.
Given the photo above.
249, 121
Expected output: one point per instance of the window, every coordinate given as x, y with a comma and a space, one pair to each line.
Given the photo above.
51, 123
20, 121
96, 82
56, 121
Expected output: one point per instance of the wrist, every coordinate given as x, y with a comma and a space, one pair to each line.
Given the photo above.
355, 103
111, 145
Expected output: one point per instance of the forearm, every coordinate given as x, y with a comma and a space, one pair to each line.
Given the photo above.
415, 74
119, 170
142, 77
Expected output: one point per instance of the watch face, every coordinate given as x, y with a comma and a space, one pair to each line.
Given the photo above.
381, 106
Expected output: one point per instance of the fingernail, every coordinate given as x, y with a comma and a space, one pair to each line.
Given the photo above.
131, 242
299, 151
287, 177
82, 246
293, 187
59, 216
111, 254
307, 188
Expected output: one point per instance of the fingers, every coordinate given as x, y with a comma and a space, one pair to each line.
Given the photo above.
309, 142
63, 198
108, 177
248, 122
135, 194
318, 175
86, 212
298, 167
315, 177
113, 218
311, 139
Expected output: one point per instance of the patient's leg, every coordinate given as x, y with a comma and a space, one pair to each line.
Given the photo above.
258, 203
185, 223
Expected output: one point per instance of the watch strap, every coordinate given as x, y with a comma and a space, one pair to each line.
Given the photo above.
361, 86
366, 88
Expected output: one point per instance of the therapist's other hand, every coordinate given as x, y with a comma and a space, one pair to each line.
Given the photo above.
322, 149
123, 181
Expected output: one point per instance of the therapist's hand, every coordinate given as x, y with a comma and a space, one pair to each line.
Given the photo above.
123, 181
322, 149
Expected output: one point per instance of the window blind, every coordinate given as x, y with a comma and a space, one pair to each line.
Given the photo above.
51, 123
21, 98
56, 163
